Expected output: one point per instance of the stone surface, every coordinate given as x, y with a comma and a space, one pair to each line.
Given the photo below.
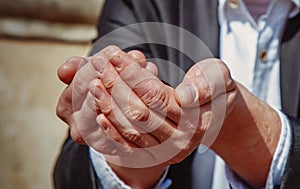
30, 132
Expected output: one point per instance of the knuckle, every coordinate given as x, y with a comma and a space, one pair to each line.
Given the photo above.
153, 95
158, 101
134, 138
109, 84
128, 75
137, 113
76, 137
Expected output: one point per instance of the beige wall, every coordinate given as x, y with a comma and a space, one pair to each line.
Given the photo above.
30, 132
64, 20
75, 11
42, 34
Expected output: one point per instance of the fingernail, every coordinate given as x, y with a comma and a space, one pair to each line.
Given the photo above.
187, 94
117, 61
99, 61
104, 126
95, 89
112, 51
101, 122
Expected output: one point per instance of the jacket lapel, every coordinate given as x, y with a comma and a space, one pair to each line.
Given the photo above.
290, 67
206, 13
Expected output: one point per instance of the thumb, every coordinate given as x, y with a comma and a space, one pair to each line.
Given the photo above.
204, 81
67, 71
186, 95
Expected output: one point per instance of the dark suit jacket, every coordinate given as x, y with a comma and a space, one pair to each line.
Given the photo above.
73, 168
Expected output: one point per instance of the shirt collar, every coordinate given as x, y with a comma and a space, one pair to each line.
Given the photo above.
294, 11
297, 3
296, 8
223, 9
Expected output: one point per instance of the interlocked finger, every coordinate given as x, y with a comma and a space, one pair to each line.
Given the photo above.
116, 116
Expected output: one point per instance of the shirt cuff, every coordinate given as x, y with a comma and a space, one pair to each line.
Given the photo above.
281, 153
278, 162
108, 178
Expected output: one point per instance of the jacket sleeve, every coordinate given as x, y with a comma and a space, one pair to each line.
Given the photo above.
114, 27
291, 173
73, 168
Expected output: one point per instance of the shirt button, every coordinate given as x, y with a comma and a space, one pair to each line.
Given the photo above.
262, 55
234, 4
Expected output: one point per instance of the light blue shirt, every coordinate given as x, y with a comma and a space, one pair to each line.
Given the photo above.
253, 58
251, 51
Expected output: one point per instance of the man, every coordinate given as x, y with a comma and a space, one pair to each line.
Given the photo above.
204, 15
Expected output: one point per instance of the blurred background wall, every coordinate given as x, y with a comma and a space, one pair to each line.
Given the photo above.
36, 36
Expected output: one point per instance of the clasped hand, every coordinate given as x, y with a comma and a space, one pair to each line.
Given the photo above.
116, 104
